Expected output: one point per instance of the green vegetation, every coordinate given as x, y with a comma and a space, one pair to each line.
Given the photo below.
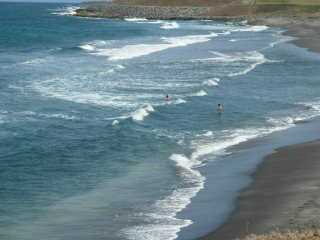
289, 2
217, 2
192, 3
212, 8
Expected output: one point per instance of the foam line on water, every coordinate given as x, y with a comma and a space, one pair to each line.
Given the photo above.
281, 39
35, 61
163, 221
135, 19
137, 50
65, 11
310, 110
48, 115
252, 59
141, 113
170, 25
211, 82
251, 29
200, 93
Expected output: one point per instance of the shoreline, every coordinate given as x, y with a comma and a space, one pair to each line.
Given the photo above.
305, 29
304, 26
282, 195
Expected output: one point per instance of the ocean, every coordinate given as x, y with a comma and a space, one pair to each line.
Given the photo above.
89, 147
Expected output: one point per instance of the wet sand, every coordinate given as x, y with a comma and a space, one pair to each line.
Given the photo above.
308, 34
285, 194
306, 29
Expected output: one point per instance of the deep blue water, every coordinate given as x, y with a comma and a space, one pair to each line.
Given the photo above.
90, 149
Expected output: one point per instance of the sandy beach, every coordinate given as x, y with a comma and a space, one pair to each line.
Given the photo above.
305, 29
284, 194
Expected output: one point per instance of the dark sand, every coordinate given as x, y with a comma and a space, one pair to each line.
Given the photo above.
285, 194
308, 34
305, 29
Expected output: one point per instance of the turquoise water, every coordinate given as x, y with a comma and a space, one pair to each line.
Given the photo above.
89, 147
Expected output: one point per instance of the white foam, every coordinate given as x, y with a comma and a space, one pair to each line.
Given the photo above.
225, 33
211, 82
110, 71
170, 25
201, 93
84, 97
58, 115
208, 134
164, 223
251, 29
247, 70
3, 116
167, 225
115, 122
281, 39
186, 163
94, 45
155, 22
135, 19
65, 11
238, 56
138, 50
48, 115
87, 47
180, 101
141, 113
119, 66
311, 110
34, 61
253, 58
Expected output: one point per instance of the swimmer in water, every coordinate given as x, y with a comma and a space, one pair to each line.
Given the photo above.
167, 98
220, 108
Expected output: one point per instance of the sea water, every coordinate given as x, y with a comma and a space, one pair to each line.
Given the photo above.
90, 148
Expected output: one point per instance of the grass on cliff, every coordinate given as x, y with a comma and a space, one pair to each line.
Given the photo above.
218, 2
192, 3
288, 235
289, 2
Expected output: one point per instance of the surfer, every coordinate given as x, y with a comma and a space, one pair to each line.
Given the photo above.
220, 108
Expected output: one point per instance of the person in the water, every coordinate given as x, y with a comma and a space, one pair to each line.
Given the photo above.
167, 98
220, 108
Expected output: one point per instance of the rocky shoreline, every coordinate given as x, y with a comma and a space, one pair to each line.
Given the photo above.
244, 9
111, 10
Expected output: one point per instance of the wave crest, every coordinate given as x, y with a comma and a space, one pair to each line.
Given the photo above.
143, 112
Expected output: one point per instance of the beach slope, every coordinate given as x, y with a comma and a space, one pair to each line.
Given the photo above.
284, 195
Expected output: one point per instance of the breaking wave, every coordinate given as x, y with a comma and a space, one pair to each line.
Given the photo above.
251, 60
170, 25
135, 19
251, 29
65, 11
141, 113
138, 50
211, 82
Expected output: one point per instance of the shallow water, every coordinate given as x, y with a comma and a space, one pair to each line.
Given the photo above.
89, 147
